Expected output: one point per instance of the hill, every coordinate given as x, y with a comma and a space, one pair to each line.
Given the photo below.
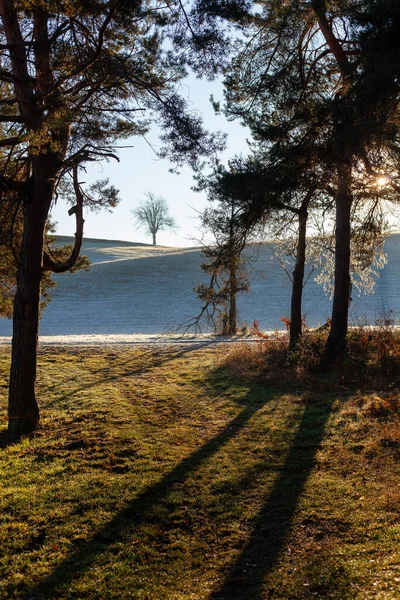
139, 288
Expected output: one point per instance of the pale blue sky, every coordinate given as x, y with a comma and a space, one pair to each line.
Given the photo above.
140, 171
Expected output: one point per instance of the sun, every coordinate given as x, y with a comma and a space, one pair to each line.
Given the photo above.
382, 180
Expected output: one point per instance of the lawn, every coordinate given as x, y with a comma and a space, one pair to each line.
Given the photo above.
160, 473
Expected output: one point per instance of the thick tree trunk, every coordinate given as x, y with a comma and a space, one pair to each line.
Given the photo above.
336, 343
297, 285
154, 239
23, 411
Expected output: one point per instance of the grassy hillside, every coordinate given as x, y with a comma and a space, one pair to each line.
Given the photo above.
159, 474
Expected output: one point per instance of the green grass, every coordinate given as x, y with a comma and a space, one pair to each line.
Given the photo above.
160, 474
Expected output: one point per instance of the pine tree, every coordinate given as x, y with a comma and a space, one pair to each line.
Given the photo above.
318, 83
225, 264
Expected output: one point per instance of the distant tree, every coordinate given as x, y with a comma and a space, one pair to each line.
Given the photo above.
153, 215
267, 196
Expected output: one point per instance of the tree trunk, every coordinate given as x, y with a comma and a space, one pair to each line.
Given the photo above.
154, 238
336, 343
297, 285
232, 319
23, 410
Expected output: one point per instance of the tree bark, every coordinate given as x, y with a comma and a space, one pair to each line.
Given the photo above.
23, 410
336, 343
154, 238
232, 317
297, 285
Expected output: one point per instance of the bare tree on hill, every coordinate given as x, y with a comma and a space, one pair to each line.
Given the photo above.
153, 216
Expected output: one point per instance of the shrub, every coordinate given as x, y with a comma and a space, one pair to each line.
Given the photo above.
372, 357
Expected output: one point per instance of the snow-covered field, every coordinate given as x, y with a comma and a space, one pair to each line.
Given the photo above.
135, 293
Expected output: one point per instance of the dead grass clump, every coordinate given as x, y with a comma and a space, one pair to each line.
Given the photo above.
378, 424
372, 359
374, 353
270, 358
266, 359
383, 408
244, 360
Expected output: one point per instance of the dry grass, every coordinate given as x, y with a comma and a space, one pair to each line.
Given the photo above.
372, 358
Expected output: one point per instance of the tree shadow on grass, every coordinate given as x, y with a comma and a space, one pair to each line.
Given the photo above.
262, 550
258, 557
137, 510
162, 356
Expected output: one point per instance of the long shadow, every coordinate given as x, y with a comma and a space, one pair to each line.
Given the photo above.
261, 552
168, 355
138, 510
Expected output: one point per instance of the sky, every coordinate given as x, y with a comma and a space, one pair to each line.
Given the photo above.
140, 171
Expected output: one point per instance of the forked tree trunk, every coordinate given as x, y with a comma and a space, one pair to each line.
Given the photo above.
23, 410
336, 343
297, 285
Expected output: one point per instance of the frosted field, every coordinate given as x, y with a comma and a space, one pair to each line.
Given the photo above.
142, 291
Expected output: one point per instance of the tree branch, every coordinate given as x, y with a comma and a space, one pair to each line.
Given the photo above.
330, 38
19, 69
12, 185
60, 267
82, 68
12, 141
11, 119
